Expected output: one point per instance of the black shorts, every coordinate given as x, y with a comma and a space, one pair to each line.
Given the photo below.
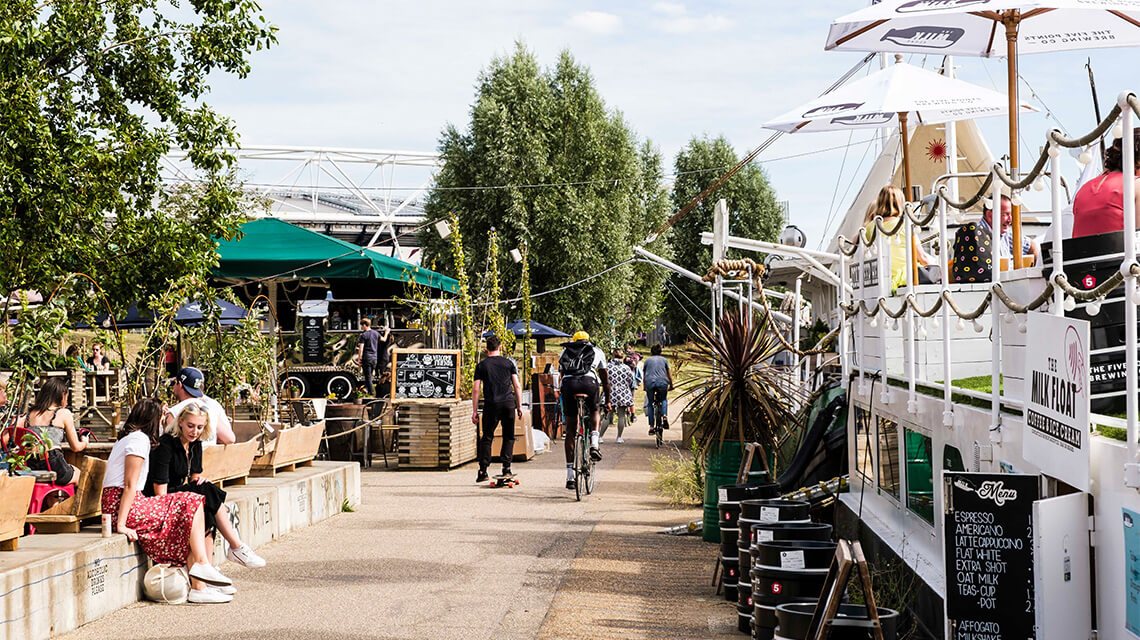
571, 387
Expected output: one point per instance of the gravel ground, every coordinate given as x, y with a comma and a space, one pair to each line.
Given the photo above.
433, 555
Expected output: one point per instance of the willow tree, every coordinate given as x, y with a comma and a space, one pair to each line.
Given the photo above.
753, 213
92, 95
548, 164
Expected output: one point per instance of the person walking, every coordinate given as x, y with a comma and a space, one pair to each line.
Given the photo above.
367, 352
498, 378
622, 384
658, 382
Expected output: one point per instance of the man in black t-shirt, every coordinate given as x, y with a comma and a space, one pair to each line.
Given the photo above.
367, 348
498, 377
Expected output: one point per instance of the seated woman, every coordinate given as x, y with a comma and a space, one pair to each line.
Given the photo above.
889, 205
170, 528
52, 421
176, 466
1098, 206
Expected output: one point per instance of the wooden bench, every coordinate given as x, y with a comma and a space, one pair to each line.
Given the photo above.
67, 516
293, 447
229, 464
17, 493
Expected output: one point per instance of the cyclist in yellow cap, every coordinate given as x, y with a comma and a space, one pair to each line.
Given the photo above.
581, 367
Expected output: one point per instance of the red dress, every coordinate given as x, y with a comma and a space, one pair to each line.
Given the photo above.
1099, 205
162, 522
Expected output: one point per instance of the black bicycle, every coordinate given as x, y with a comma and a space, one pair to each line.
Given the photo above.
583, 464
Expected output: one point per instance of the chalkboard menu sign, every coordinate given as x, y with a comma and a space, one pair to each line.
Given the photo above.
313, 340
425, 373
989, 555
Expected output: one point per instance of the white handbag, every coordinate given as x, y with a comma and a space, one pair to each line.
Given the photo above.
167, 584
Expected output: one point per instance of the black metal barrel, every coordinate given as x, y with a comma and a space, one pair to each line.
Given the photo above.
753, 531
730, 498
775, 510
850, 623
785, 571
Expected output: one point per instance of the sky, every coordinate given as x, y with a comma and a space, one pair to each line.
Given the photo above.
377, 74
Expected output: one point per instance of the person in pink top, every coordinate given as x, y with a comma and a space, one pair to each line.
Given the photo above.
1099, 204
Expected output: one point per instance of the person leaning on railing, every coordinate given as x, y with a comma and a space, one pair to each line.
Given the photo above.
889, 205
1099, 204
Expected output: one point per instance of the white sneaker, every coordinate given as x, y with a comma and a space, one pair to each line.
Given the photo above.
245, 556
229, 591
208, 596
620, 441
601, 441
209, 575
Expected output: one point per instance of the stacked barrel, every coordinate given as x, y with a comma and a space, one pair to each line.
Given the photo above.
730, 498
778, 550
850, 622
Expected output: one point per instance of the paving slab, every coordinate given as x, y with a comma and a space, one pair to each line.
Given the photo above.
433, 555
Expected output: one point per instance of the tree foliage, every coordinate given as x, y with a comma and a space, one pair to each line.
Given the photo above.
562, 173
753, 213
92, 95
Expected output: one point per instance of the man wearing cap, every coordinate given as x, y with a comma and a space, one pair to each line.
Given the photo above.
188, 388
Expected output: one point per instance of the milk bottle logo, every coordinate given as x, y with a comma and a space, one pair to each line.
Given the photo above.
829, 109
926, 37
919, 6
866, 119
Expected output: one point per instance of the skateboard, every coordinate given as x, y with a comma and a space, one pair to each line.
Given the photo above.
510, 481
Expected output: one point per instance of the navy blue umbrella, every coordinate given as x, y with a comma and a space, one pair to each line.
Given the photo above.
538, 331
189, 314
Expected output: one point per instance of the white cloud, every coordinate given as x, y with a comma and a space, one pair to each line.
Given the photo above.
596, 22
675, 18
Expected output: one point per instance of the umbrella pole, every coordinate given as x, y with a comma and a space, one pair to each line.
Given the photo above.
904, 140
1011, 19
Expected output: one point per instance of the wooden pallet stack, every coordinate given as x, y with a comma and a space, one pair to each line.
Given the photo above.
434, 434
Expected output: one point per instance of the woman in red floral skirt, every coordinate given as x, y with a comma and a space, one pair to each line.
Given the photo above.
170, 528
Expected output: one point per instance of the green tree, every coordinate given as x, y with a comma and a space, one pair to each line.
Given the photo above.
753, 213
598, 193
92, 95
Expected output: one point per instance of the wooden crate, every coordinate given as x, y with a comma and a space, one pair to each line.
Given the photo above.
435, 434
229, 464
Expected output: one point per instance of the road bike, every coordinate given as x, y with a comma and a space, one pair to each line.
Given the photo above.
655, 413
584, 476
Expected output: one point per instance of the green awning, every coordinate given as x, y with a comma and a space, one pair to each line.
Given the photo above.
274, 248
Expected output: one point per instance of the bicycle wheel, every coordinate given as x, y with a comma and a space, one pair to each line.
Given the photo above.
579, 465
657, 438
591, 477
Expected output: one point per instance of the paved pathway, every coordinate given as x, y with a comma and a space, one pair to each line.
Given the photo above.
432, 555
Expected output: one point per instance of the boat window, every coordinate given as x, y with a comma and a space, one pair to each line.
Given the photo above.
919, 476
889, 456
952, 459
863, 435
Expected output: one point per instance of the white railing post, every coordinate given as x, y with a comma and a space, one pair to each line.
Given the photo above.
1128, 151
860, 316
1058, 226
995, 310
944, 258
883, 248
909, 318
844, 340
796, 329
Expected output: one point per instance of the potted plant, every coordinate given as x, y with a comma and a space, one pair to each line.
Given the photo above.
737, 396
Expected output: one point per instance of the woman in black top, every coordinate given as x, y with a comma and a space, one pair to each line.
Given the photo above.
176, 465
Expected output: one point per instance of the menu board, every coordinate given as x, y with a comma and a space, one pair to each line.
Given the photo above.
988, 538
313, 340
425, 373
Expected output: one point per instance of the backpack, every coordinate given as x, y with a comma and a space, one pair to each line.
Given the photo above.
577, 358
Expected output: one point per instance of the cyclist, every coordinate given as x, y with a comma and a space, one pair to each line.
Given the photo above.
658, 382
581, 367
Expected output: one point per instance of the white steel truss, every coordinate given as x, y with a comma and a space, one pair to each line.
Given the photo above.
316, 175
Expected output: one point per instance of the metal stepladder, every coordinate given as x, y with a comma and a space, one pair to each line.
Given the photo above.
848, 560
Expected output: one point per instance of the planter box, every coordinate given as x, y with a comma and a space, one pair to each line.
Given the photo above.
15, 494
435, 434
229, 464
293, 447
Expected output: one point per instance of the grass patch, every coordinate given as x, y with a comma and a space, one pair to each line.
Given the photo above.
677, 477
1115, 433
345, 507
981, 384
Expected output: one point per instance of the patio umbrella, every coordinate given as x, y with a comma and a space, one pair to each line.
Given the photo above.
975, 28
891, 96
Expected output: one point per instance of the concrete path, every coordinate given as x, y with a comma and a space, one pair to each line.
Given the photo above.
432, 555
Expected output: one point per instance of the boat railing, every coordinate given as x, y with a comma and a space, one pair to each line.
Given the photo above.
868, 302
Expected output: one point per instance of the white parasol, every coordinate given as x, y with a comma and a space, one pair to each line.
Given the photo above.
990, 28
900, 94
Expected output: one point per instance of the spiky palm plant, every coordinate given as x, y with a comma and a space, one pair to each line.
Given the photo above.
737, 394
